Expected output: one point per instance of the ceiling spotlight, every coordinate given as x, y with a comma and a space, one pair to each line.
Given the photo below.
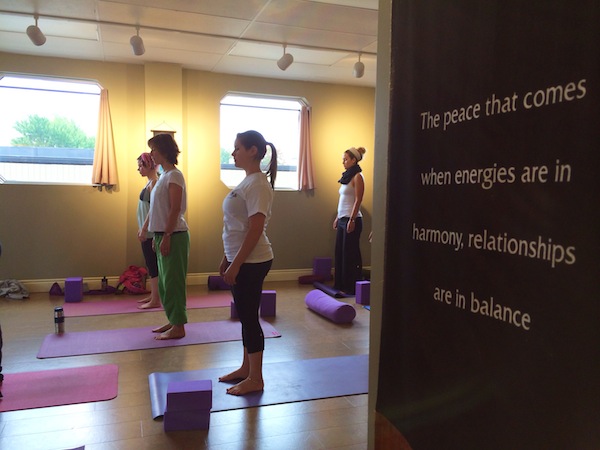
359, 68
137, 44
35, 34
285, 61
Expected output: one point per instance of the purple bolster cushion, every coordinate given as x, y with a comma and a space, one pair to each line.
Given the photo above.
329, 307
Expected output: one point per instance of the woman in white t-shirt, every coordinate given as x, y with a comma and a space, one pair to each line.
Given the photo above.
248, 254
168, 203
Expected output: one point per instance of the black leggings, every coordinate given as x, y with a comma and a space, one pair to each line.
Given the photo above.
348, 260
150, 257
247, 292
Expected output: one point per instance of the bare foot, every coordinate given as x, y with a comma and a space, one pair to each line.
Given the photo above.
144, 300
149, 305
175, 332
246, 386
239, 374
163, 328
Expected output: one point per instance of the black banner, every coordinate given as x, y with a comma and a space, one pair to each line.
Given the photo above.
491, 317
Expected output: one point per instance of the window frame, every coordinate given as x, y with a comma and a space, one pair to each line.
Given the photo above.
36, 161
290, 169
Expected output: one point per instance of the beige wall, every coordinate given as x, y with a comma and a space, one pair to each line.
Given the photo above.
52, 232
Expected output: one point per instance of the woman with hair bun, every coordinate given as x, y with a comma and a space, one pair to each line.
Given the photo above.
248, 254
348, 223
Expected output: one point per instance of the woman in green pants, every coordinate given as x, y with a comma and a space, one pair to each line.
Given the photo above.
168, 203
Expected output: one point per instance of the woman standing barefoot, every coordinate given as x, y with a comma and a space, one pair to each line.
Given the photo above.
147, 168
248, 254
168, 203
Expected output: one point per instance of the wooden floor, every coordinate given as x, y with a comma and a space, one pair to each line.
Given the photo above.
125, 423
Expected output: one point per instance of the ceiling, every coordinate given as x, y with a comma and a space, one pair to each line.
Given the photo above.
243, 37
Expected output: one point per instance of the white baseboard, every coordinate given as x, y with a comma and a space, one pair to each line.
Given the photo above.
193, 279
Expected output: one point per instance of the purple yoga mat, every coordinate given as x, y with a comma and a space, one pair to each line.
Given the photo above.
125, 339
45, 388
130, 305
285, 382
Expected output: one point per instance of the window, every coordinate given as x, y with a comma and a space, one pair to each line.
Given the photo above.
48, 129
277, 119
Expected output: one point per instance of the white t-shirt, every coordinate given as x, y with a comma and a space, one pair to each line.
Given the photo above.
160, 203
253, 195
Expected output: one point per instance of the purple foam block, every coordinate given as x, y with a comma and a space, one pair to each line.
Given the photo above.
189, 395
329, 307
233, 311
73, 289
216, 283
267, 303
363, 292
322, 266
187, 420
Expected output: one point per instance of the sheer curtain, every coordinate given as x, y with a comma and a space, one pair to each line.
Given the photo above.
306, 180
104, 170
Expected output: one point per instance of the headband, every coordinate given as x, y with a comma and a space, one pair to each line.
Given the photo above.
356, 153
147, 160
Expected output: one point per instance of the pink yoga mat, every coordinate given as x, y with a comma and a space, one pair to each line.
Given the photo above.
125, 339
28, 390
130, 305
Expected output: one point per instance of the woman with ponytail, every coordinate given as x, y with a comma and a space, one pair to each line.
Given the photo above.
248, 254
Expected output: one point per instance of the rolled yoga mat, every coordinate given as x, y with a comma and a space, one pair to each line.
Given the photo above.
330, 290
329, 307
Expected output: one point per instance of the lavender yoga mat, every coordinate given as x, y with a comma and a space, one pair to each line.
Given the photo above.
45, 388
125, 339
285, 382
130, 305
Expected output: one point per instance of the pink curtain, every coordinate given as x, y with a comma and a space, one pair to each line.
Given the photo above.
306, 180
104, 170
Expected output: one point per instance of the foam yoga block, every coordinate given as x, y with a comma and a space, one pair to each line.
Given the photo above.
188, 405
73, 289
216, 283
363, 292
267, 303
329, 307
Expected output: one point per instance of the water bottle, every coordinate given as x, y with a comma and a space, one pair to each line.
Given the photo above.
59, 320
104, 284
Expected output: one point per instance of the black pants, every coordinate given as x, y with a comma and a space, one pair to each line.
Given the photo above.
247, 292
150, 258
348, 260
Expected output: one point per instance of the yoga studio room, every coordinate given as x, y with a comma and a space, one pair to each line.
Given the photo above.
82, 366
299, 225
